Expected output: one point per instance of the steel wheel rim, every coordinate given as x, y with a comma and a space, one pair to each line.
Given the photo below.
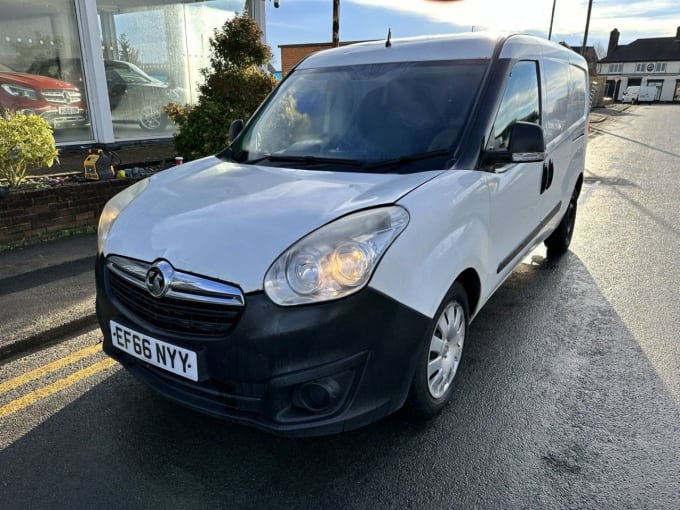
446, 348
150, 117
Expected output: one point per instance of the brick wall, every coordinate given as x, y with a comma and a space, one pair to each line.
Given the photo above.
26, 215
291, 54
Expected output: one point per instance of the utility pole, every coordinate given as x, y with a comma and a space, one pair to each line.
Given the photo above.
585, 36
336, 23
552, 17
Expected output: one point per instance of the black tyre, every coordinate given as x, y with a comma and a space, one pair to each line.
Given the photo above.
435, 375
559, 241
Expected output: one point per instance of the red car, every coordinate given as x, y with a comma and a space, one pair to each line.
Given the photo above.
58, 102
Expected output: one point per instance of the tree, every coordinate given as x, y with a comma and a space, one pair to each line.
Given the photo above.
128, 52
235, 84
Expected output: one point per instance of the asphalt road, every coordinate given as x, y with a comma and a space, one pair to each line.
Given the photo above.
568, 397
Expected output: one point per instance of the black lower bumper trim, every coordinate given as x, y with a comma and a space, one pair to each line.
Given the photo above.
359, 352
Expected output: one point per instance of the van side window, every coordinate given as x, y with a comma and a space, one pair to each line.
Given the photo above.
556, 104
520, 103
577, 94
565, 98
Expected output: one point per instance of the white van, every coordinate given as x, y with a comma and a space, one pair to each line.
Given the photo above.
639, 94
323, 270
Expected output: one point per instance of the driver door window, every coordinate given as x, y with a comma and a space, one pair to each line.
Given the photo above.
520, 103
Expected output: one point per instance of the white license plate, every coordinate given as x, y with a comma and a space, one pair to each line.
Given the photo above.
68, 110
169, 357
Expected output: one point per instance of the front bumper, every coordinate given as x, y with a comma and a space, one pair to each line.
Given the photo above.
302, 371
58, 121
76, 116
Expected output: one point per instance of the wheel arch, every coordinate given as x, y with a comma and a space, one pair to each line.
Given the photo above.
472, 284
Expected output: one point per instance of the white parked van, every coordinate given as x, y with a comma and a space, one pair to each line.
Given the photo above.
639, 94
324, 268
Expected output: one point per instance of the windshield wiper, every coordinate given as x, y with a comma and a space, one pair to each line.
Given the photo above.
228, 154
307, 160
405, 160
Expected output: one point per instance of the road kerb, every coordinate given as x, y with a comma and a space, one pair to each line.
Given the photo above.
44, 337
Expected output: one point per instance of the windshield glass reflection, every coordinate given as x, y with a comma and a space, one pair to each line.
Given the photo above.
364, 114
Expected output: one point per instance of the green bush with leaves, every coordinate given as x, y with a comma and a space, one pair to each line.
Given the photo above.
286, 124
235, 84
26, 141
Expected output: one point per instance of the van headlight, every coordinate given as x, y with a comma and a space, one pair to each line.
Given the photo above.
113, 208
336, 260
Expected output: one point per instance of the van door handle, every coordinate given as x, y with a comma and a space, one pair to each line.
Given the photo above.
547, 175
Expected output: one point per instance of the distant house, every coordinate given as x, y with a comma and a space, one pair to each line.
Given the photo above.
651, 62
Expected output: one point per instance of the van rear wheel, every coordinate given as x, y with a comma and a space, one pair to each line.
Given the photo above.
438, 364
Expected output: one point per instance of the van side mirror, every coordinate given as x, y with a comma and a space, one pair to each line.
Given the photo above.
526, 142
526, 145
235, 129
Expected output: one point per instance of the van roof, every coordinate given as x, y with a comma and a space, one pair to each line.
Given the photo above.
471, 45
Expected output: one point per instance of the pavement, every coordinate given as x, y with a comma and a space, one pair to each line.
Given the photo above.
598, 115
47, 291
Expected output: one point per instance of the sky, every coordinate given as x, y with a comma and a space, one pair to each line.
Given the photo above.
310, 21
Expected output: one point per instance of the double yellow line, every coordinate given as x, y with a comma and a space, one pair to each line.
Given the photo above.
46, 391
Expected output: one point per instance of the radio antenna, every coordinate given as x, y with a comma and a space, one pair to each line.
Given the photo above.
388, 43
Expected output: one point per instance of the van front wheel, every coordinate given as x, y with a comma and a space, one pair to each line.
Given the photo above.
438, 363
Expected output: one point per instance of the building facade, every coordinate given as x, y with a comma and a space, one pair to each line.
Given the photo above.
647, 62
101, 71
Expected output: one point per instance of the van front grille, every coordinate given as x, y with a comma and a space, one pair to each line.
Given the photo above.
193, 305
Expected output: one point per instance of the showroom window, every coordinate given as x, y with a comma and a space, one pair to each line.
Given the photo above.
153, 51
104, 71
40, 72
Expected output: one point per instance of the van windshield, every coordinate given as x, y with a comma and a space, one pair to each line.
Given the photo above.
375, 117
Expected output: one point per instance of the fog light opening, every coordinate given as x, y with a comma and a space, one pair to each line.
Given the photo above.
318, 396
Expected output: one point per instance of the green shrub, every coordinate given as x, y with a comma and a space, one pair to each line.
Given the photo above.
25, 141
286, 125
234, 87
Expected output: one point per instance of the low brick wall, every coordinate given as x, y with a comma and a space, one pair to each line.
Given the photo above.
26, 215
